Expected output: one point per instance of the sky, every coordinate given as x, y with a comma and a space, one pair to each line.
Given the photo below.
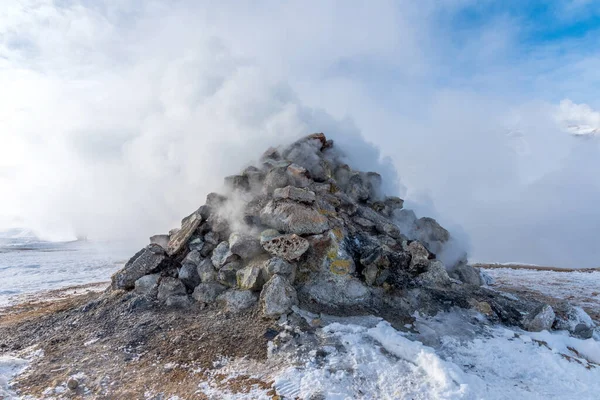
118, 117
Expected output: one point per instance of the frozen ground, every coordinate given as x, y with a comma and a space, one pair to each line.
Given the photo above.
28, 265
581, 288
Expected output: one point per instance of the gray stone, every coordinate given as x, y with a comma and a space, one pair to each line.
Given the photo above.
358, 188
275, 178
148, 260
208, 292
188, 226
277, 297
540, 319
466, 274
211, 240
178, 301
279, 266
227, 275
206, 271
222, 255
573, 319
382, 224
337, 291
237, 300
250, 278
170, 287
215, 200
196, 244
237, 182
193, 257
147, 285
431, 234
435, 276
291, 217
295, 194
288, 247
188, 274
270, 154
394, 203
219, 224
161, 240
244, 245
298, 176
419, 257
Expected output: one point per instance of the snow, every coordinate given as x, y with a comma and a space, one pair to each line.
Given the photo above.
9, 368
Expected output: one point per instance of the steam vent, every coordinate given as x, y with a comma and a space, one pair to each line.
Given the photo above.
305, 233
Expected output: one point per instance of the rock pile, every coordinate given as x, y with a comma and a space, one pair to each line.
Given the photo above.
304, 228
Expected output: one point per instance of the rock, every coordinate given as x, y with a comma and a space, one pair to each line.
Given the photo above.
364, 223
211, 240
219, 224
270, 154
540, 319
298, 176
295, 194
147, 261
250, 278
188, 274
290, 217
227, 275
206, 271
275, 178
170, 287
573, 319
380, 263
466, 274
382, 224
193, 257
394, 203
435, 276
279, 266
337, 291
72, 383
196, 244
358, 187
288, 247
147, 285
277, 297
419, 257
244, 245
161, 240
237, 300
208, 292
178, 301
214, 201
188, 226
237, 182
431, 234
222, 255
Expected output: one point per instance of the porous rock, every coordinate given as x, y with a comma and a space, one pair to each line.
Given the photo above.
277, 297
288, 247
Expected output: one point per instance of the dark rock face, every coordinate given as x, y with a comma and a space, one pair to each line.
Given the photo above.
302, 228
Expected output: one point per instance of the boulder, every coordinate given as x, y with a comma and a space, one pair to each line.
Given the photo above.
573, 319
291, 217
358, 187
193, 257
277, 297
237, 182
298, 176
337, 291
466, 274
237, 300
214, 201
227, 275
161, 240
295, 194
170, 287
206, 271
188, 226
288, 247
244, 245
196, 244
188, 274
275, 178
178, 301
279, 266
250, 278
222, 255
435, 275
147, 285
211, 240
419, 257
208, 292
540, 319
149, 260
431, 234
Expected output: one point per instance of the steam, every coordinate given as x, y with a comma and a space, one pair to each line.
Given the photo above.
117, 119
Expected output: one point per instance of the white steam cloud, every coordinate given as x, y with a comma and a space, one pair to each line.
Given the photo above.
117, 118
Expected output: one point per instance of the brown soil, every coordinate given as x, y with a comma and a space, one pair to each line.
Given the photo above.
129, 348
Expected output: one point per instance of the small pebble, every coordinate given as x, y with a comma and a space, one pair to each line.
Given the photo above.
72, 383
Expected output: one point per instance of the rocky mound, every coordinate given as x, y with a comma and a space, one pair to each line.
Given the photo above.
303, 229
